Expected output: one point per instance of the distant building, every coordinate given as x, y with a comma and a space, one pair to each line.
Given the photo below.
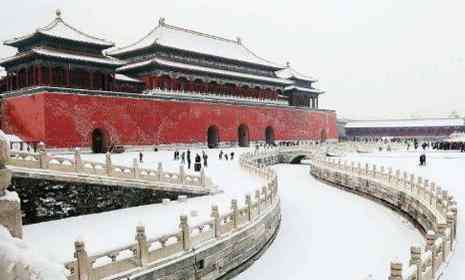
405, 128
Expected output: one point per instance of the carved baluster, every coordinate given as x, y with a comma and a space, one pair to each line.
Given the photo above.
248, 202
415, 259
235, 213
108, 164
185, 233
216, 220
142, 252
77, 160
83, 267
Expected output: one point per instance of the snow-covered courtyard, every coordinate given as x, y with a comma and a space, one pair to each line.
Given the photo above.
325, 232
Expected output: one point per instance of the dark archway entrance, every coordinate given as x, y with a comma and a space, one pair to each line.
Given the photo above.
99, 141
243, 134
213, 136
323, 135
269, 135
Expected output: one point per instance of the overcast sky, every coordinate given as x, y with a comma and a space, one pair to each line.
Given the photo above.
375, 58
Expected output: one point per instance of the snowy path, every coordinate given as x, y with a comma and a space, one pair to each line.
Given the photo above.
448, 170
327, 233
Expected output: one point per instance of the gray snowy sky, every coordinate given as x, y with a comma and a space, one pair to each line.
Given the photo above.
376, 59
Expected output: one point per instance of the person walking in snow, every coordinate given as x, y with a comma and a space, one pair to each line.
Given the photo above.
232, 155
141, 157
183, 158
226, 156
188, 159
197, 164
221, 155
205, 160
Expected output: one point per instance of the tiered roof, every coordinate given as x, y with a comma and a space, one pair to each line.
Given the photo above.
290, 73
202, 69
188, 40
59, 29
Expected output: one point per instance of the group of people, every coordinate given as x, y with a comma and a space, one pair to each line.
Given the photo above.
225, 156
185, 156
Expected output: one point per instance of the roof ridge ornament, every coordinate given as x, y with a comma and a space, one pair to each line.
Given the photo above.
239, 40
288, 64
58, 13
161, 21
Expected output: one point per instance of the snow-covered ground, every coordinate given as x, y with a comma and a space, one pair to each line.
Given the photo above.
446, 169
326, 233
109, 230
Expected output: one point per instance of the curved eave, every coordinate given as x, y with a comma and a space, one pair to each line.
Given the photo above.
63, 56
202, 69
18, 42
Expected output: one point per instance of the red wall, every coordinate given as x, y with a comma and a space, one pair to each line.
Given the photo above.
69, 120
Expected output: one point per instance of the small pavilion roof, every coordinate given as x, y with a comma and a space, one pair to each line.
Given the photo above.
58, 28
188, 40
289, 73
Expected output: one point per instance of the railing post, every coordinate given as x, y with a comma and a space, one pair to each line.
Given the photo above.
77, 160
235, 213
108, 164
453, 209
82, 267
415, 259
257, 197
265, 195
442, 232
160, 171
248, 202
216, 220
185, 233
396, 271
203, 177
430, 237
182, 174
142, 246
135, 168
10, 209
43, 157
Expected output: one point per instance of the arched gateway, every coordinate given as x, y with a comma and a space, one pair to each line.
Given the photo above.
99, 141
243, 135
269, 135
213, 137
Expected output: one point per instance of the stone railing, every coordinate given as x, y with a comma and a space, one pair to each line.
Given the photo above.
146, 255
42, 160
423, 201
219, 97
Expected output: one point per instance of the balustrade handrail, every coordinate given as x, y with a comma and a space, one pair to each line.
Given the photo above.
437, 208
42, 160
143, 255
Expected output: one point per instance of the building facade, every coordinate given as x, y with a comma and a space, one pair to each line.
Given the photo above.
175, 85
438, 128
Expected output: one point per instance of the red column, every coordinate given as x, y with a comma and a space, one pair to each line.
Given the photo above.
26, 82
8, 82
91, 80
67, 76
50, 76
39, 75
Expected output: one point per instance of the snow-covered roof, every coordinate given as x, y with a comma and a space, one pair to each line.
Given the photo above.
304, 89
406, 123
179, 65
289, 73
65, 55
58, 28
124, 78
193, 41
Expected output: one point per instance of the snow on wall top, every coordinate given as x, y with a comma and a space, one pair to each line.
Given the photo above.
193, 41
58, 28
289, 73
179, 65
304, 89
124, 78
406, 123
